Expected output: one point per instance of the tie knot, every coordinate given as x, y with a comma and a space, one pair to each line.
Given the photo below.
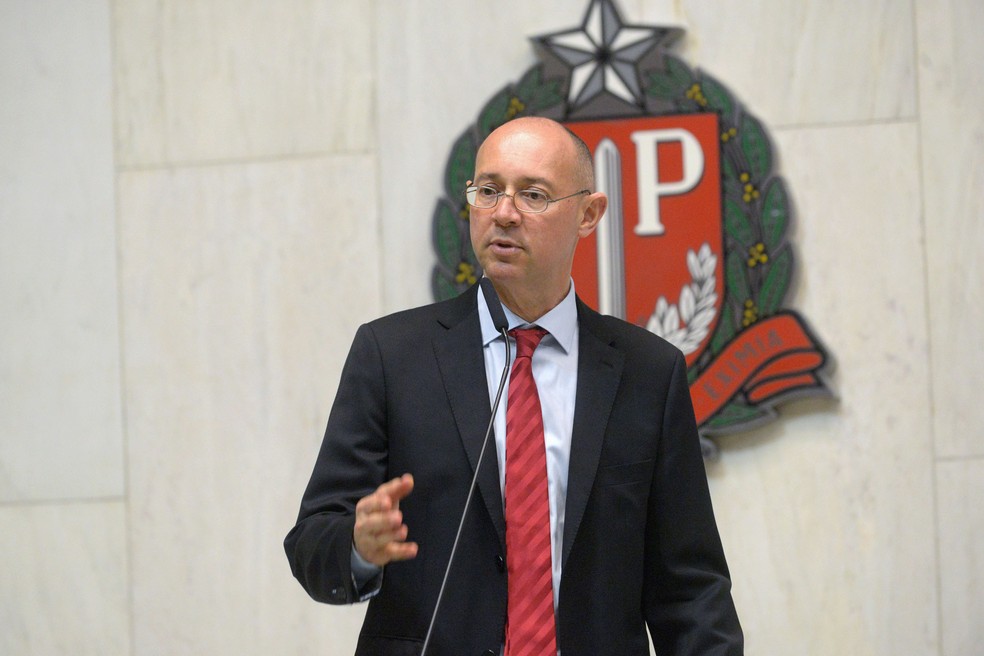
527, 340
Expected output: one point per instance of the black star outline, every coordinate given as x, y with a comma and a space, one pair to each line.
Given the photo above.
603, 55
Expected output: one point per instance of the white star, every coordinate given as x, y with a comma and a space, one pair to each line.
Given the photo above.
603, 55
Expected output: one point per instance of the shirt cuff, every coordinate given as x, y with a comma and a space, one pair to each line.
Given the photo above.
366, 577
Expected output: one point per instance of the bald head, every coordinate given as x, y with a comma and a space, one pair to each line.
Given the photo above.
578, 157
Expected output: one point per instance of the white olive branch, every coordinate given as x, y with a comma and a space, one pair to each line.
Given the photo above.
686, 324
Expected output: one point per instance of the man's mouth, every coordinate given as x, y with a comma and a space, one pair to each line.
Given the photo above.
504, 246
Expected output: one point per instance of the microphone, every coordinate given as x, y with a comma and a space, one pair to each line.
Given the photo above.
502, 325
495, 306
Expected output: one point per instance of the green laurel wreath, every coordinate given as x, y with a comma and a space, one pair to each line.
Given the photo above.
756, 206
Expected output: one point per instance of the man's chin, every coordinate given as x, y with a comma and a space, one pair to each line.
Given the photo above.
501, 273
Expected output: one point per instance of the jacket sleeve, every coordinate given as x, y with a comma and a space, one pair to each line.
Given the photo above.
352, 463
687, 595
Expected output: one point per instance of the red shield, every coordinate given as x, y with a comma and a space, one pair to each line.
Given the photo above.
657, 259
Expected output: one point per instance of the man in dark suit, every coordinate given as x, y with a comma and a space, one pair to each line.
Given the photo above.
632, 538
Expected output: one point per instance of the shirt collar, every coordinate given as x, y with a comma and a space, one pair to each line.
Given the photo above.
560, 322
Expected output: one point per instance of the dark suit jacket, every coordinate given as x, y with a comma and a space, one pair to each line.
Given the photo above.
640, 542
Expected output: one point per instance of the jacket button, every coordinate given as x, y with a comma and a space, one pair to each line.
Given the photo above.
489, 652
500, 564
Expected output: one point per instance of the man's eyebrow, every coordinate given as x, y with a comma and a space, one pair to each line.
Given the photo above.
523, 182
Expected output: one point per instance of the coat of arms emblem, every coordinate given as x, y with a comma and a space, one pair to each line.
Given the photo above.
693, 246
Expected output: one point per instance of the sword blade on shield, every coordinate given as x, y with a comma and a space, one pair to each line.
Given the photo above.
611, 257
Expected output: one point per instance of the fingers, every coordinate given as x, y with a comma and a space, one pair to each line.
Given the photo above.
387, 496
397, 489
380, 534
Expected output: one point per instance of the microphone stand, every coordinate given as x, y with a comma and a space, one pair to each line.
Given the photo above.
499, 319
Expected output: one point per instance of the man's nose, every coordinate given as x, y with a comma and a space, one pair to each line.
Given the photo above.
505, 212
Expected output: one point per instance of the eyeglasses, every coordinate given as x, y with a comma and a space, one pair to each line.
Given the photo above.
530, 201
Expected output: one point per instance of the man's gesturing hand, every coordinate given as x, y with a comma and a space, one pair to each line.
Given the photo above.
380, 534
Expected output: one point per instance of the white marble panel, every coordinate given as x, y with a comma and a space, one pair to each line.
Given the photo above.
950, 51
795, 63
60, 417
243, 287
63, 583
960, 488
228, 79
827, 514
435, 72
952, 128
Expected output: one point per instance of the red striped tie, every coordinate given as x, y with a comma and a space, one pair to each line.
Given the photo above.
530, 629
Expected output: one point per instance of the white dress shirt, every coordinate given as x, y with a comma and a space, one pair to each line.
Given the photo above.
555, 373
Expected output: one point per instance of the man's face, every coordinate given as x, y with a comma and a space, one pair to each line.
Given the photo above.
526, 253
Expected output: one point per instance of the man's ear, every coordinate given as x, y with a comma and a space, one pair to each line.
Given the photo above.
594, 209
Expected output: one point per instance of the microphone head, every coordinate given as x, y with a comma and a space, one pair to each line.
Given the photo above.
494, 304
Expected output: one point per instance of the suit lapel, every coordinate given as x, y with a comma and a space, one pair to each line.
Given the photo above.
458, 351
459, 356
599, 371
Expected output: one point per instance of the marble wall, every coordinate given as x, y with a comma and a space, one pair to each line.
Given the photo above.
197, 211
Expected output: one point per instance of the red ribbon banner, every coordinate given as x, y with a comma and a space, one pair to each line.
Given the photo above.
772, 357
